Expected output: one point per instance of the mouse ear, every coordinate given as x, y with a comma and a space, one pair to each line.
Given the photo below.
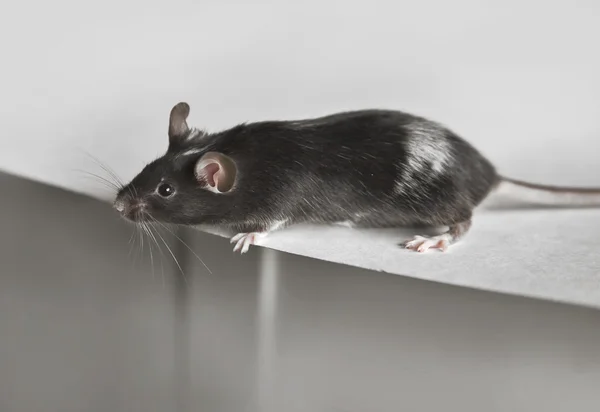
216, 171
178, 127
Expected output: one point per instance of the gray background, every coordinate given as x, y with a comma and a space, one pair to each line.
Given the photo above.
85, 327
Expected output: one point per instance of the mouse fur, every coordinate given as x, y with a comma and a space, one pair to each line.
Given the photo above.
364, 168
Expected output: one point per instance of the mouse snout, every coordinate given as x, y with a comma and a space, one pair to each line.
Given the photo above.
132, 209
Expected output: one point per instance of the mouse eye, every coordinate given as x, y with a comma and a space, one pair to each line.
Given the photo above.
165, 189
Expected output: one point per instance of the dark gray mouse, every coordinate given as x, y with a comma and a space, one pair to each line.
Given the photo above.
368, 168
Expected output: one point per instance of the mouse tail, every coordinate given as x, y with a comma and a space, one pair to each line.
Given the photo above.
546, 195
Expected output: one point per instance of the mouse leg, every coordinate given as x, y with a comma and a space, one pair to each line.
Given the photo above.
253, 234
244, 240
454, 233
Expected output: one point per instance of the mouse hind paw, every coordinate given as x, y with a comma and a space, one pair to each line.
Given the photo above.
442, 242
424, 243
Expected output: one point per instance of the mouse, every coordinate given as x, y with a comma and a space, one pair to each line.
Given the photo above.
369, 168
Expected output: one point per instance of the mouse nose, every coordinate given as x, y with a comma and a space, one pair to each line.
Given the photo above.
119, 205
131, 209
136, 207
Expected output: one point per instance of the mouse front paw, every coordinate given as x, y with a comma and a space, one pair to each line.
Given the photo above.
244, 240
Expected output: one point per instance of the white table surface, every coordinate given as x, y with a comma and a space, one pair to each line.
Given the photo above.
548, 254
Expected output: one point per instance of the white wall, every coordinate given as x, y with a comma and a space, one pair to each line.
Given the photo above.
519, 78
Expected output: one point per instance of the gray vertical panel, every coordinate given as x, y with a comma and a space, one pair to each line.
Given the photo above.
268, 296
183, 284
223, 316
82, 328
351, 340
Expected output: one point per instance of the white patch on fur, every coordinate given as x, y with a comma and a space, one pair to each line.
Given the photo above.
194, 133
428, 152
428, 144
346, 223
277, 225
191, 151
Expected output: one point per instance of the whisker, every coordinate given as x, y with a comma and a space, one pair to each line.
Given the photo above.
131, 243
115, 180
97, 176
140, 252
185, 244
113, 175
105, 167
146, 230
131, 237
142, 240
112, 187
133, 191
112, 181
161, 253
153, 237
100, 179
173, 255
109, 188
135, 244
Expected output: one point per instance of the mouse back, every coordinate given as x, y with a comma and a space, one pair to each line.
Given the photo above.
369, 167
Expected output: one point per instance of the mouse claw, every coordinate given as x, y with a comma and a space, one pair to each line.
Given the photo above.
237, 237
442, 245
244, 240
422, 244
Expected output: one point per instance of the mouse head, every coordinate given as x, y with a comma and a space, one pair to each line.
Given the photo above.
190, 184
